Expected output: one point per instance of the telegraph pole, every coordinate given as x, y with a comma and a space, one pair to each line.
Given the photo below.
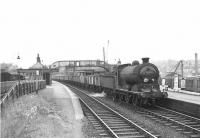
18, 58
107, 50
182, 68
196, 64
104, 54
104, 58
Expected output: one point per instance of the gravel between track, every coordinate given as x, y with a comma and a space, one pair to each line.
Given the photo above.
129, 111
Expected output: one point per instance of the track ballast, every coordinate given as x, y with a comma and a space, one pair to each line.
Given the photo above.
108, 122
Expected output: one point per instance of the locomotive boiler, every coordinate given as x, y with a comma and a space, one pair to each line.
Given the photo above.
139, 77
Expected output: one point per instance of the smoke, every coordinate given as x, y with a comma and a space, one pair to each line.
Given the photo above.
102, 94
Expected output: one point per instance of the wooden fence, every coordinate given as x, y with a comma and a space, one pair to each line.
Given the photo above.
22, 88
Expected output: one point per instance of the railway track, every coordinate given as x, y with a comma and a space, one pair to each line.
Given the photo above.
187, 125
108, 122
180, 122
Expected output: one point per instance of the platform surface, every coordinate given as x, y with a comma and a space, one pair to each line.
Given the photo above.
66, 97
191, 98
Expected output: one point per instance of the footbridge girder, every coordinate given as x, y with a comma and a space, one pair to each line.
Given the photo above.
80, 63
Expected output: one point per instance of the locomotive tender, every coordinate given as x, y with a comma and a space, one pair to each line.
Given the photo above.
136, 83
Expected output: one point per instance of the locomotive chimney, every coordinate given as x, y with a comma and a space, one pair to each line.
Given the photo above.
145, 60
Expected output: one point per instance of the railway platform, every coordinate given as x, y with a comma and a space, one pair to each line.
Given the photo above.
54, 111
65, 97
186, 96
68, 110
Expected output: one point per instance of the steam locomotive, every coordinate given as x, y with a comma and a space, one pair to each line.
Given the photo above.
136, 84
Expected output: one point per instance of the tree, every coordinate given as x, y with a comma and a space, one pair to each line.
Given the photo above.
8, 67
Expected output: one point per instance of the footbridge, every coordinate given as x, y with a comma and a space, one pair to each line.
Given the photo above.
81, 64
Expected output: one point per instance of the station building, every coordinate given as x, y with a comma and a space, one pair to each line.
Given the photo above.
37, 72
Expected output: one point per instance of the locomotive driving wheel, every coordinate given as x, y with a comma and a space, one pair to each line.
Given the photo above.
115, 97
126, 98
137, 101
121, 97
153, 102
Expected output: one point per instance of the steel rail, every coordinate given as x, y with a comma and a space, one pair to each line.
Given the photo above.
170, 120
178, 113
100, 120
119, 115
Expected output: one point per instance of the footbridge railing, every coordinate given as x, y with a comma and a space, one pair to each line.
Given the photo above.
80, 63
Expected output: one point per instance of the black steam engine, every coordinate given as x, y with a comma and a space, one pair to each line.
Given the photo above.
136, 83
140, 77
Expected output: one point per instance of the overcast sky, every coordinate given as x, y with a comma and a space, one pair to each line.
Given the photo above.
78, 29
